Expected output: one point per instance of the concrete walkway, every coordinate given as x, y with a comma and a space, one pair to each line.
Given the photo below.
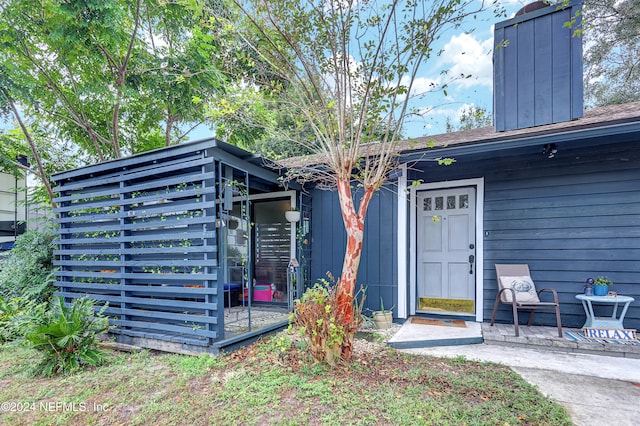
595, 389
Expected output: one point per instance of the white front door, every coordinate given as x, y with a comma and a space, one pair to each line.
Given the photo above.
446, 254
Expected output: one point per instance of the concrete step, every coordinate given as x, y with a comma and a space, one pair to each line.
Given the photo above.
412, 335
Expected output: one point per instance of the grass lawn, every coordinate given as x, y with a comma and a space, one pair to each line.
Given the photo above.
264, 385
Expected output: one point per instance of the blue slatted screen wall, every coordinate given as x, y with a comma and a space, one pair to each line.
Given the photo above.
139, 233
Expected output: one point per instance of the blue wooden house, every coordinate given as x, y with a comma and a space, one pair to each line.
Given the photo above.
191, 248
545, 186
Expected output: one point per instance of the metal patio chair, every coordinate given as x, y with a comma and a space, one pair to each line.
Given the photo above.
516, 288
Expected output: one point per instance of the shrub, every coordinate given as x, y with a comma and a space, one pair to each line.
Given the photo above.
27, 271
8, 310
67, 336
17, 316
322, 325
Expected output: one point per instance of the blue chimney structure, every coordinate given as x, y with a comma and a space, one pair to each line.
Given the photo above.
537, 64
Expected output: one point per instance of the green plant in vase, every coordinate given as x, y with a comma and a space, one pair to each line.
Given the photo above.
383, 318
601, 286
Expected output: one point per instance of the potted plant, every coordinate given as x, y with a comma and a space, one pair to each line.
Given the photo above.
292, 215
601, 286
383, 318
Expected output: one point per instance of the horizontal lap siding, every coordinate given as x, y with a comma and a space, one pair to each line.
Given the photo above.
570, 217
139, 234
378, 266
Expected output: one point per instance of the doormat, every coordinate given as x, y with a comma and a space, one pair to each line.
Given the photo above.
440, 322
447, 305
578, 336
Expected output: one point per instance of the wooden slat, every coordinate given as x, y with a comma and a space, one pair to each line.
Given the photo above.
188, 330
139, 276
130, 263
139, 212
142, 289
145, 301
138, 251
110, 202
163, 337
542, 71
116, 178
510, 61
165, 236
526, 65
561, 68
160, 221
198, 319
188, 150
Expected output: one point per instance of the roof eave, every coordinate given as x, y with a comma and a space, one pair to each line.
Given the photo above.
592, 135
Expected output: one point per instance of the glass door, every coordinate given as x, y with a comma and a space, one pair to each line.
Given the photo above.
272, 250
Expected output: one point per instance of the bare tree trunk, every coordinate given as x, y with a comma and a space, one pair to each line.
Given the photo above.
120, 81
171, 119
32, 146
354, 225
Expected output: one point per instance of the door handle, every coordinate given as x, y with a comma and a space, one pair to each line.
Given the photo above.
472, 258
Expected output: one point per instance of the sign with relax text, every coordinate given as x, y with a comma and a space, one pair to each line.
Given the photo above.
610, 333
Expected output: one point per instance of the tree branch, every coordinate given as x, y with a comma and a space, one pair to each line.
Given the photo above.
32, 146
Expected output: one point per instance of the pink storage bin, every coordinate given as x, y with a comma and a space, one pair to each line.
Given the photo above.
261, 293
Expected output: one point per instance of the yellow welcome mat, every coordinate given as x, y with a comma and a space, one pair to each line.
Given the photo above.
440, 322
447, 305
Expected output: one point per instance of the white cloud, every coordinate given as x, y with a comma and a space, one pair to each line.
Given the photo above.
453, 113
421, 86
465, 55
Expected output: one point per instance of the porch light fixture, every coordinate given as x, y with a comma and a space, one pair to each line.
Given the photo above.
550, 150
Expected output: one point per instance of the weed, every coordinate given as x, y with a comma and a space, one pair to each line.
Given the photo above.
195, 365
459, 358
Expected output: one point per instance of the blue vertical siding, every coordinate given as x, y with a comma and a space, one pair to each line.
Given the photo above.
378, 267
543, 94
537, 69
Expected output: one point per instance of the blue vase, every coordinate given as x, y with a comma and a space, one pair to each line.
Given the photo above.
600, 290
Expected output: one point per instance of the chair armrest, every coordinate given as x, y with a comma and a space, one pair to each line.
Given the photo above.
513, 294
552, 290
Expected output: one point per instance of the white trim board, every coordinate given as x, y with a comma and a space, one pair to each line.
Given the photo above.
402, 243
478, 183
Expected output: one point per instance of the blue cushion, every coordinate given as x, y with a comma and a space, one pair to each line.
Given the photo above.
231, 287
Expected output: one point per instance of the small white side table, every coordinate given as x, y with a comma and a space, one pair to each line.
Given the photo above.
604, 322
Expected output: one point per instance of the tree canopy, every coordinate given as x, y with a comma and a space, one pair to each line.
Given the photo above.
108, 77
471, 117
612, 51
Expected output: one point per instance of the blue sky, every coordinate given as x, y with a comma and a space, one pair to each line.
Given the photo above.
467, 50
